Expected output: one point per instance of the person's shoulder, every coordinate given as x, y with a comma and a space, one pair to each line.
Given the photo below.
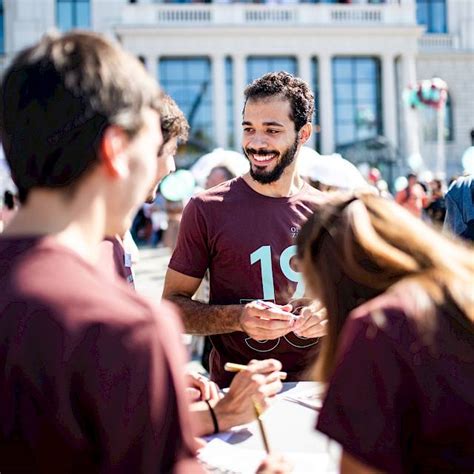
220, 190
402, 309
462, 182
386, 302
69, 290
227, 192
121, 308
460, 187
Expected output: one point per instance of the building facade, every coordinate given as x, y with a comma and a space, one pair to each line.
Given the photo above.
357, 55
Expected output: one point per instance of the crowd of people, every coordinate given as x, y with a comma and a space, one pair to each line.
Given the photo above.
349, 288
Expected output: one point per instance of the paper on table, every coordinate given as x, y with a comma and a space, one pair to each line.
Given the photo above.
311, 397
218, 456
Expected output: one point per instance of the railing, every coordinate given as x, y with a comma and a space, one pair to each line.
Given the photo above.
357, 15
147, 14
184, 15
270, 15
439, 42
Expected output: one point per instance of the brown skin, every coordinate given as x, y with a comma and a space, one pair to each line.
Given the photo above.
204, 319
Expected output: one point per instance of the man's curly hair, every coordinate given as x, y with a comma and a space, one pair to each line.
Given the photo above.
285, 85
173, 121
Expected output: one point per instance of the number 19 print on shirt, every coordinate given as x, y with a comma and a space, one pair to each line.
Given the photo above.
263, 255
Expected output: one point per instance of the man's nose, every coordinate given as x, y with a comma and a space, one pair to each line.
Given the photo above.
258, 141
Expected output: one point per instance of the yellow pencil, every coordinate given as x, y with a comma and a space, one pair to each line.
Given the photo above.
231, 367
258, 414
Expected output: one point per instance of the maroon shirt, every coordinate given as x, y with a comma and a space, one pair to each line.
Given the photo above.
402, 399
90, 374
246, 240
114, 261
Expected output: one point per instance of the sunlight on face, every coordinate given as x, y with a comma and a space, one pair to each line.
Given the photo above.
269, 138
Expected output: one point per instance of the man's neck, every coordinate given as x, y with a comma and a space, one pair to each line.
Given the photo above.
289, 184
75, 223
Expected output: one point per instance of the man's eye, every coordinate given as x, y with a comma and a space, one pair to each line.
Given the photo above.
273, 132
247, 130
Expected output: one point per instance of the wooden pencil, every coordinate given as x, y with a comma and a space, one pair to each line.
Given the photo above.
231, 367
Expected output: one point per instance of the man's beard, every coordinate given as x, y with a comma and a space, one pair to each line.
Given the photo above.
267, 177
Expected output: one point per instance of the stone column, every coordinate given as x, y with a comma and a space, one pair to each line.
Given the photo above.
240, 82
389, 99
219, 100
411, 128
304, 71
326, 104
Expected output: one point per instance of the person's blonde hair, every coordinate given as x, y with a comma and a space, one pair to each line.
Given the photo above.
359, 245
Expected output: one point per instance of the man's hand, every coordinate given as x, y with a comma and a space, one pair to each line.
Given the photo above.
199, 387
312, 319
260, 382
266, 321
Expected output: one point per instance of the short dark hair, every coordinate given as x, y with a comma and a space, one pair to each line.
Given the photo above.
56, 100
285, 85
173, 121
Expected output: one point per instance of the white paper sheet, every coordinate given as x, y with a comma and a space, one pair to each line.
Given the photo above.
223, 458
311, 397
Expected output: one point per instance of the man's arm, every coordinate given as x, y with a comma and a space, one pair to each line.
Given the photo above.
200, 318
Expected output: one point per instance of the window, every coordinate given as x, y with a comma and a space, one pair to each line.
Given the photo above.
258, 66
317, 123
189, 82
2, 30
357, 99
229, 85
429, 119
432, 14
72, 14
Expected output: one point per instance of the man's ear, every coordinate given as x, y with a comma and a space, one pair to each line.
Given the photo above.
305, 133
112, 151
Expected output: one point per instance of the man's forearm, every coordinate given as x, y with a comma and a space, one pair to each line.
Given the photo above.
204, 319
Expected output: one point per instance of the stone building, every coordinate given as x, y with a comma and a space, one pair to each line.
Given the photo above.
358, 56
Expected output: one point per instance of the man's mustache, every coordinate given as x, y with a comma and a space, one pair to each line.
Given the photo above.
260, 152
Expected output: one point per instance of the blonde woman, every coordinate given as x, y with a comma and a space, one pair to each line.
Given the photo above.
400, 367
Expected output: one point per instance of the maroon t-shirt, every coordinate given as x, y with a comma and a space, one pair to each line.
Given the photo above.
90, 374
401, 398
114, 261
246, 240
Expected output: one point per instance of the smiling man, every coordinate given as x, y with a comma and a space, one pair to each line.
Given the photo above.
243, 231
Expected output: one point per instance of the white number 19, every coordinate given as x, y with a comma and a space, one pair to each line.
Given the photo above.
264, 256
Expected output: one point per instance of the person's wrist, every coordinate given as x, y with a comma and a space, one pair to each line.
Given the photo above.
227, 415
214, 417
240, 309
